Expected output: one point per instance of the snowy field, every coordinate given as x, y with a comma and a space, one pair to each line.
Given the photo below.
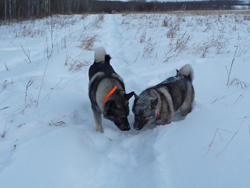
47, 129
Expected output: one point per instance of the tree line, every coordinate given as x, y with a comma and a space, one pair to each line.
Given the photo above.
25, 9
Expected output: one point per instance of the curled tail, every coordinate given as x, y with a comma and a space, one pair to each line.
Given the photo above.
187, 71
101, 56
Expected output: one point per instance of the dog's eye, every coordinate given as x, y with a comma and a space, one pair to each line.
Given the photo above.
120, 118
145, 117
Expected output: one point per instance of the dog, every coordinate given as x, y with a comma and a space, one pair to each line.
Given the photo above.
157, 104
107, 93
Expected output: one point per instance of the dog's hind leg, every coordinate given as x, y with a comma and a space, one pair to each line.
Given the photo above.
185, 109
187, 105
188, 102
98, 120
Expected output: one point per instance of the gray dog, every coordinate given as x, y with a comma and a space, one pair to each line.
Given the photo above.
107, 93
157, 104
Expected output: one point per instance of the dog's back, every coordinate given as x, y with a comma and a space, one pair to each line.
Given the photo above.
158, 104
100, 71
107, 93
177, 87
101, 63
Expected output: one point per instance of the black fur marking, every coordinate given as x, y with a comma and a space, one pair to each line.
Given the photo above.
100, 67
128, 96
107, 59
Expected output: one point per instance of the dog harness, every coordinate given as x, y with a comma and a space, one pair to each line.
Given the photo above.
158, 114
110, 93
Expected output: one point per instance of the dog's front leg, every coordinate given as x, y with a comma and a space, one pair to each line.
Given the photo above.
98, 120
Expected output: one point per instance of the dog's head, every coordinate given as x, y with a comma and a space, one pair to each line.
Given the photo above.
145, 110
117, 109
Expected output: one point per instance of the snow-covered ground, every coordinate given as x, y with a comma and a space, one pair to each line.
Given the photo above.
47, 129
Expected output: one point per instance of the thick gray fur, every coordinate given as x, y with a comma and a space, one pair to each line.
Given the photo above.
157, 104
102, 79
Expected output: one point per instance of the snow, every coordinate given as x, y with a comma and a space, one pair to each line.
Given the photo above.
47, 129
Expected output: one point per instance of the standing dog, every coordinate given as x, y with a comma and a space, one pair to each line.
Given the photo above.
107, 93
157, 104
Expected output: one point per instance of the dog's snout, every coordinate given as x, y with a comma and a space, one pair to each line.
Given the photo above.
125, 128
138, 125
123, 124
136, 128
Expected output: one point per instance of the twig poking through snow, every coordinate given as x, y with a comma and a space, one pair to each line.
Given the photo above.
4, 108
217, 130
59, 123
234, 134
4, 131
230, 70
7, 68
43, 77
52, 89
27, 55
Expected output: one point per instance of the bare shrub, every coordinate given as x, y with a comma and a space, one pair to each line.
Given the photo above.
208, 27
30, 82
168, 56
177, 46
149, 48
199, 21
143, 37
239, 83
125, 21
98, 21
165, 23
171, 33
181, 43
5, 84
84, 16
75, 64
218, 43
28, 99
231, 67
246, 17
242, 50
174, 27
27, 54
88, 42
67, 59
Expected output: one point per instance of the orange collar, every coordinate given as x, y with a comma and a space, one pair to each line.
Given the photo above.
158, 114
110, 93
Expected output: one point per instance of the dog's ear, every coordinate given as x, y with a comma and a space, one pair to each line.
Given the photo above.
136, 96
107, 58
177, 71
129, 95
153, 103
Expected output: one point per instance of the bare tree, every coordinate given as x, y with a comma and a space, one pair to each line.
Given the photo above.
10, 9
5, 12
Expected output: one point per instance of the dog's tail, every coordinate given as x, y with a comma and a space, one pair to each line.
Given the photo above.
101, 56
187, 71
